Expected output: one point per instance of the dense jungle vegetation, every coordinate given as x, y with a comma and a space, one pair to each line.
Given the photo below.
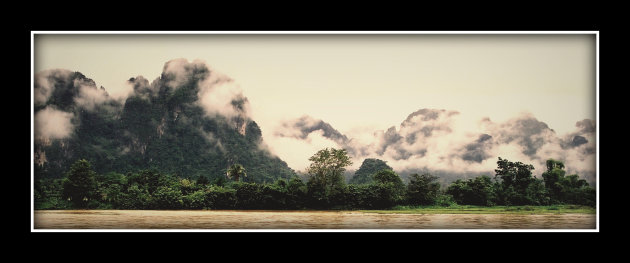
325, 188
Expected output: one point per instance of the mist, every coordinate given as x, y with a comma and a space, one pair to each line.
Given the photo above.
437, 142
51, 123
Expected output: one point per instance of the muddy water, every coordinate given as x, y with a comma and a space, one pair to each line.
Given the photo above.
242, 219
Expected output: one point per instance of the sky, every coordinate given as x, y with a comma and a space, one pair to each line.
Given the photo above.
358, 84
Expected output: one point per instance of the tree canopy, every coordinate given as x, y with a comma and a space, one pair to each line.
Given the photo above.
79, 184
328, 165
513, 184
236, 171
422, 189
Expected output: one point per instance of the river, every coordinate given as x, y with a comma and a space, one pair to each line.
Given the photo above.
257, 219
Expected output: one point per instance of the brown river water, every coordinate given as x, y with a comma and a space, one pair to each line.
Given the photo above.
257, 219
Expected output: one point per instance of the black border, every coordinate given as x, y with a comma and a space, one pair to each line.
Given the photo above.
410, 24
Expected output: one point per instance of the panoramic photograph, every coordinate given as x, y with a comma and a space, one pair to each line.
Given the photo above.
314, 131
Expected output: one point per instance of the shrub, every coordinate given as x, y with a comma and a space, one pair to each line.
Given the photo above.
218, 197
195, 200
445, 200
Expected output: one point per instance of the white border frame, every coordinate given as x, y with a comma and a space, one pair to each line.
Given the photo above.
596, 33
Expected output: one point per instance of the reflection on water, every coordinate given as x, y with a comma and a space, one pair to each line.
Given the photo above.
244, 219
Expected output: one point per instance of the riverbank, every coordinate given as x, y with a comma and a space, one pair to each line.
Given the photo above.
469, 209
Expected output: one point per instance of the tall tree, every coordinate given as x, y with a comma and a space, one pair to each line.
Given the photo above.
553, 178
515, 174
326, 185
80, 183
515, 177
328, 165
236, 171
389, 186
477, 191
422, 189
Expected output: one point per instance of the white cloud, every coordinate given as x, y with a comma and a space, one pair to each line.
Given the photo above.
44, 87
51, 123
182, 70
89, 95
217, 98
436, 140
295, 152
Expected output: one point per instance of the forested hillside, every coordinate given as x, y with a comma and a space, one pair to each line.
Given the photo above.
189, 122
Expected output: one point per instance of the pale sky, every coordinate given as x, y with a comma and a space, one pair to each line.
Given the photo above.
359, 83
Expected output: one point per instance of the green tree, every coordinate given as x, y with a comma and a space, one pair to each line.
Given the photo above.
188, 186
296, 193
536, 194
422, 189
150, 179
248, 195
166, 197
386, 190
195, 200
515, 179
562, 188
576, 191
236, 171
328, 165
326, 184
552, 179
477, 191
391, 179
387, 176
274, 196
202, 180
136, 198
219, 197
79, 185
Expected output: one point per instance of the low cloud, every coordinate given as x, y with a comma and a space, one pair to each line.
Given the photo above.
180, 72
89, 95
45, 82
477, 151
223, 98
215, 92
433, 140
69, 90
582, 137
51, 124
526, 131
305, 125
296, 151
58, 96
142, 88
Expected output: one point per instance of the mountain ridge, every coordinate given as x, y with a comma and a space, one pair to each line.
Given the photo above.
186, 122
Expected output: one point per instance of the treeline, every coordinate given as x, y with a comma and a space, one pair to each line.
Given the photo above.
513, 184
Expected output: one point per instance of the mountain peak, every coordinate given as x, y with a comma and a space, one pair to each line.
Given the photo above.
191, 121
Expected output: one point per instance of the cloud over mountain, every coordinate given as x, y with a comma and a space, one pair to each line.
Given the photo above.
59, 95
191, 120
432, 140
306, 125
51, 123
